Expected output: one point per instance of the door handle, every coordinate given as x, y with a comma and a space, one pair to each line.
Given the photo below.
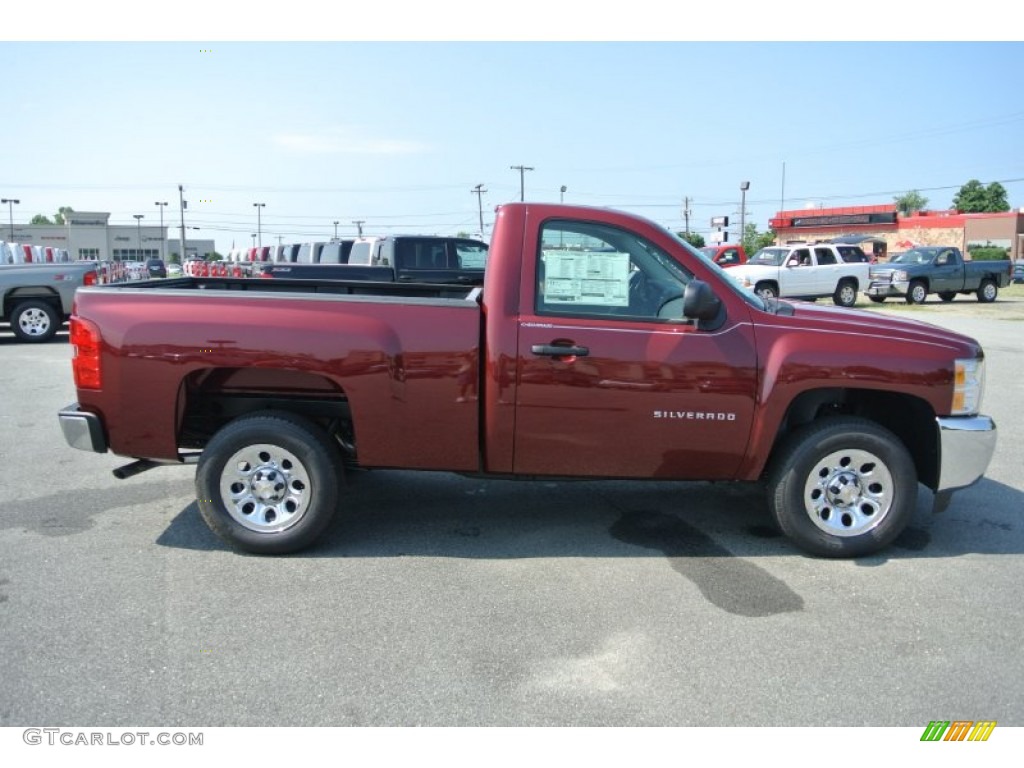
555, 350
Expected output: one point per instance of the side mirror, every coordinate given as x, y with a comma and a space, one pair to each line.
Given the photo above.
701, 304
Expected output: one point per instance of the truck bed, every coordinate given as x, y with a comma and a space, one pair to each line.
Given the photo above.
304, 286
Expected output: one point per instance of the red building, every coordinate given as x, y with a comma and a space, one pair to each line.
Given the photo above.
881, 230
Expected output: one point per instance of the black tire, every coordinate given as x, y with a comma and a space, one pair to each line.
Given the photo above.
846, 293
947, 296
987, 291
877, 299
766, 290
35, 320
917, 292
842, 487
269, 483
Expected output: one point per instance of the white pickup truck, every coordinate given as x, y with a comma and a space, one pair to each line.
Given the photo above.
806, 272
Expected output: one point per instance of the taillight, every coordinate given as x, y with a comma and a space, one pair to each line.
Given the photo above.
85, 337
90, 278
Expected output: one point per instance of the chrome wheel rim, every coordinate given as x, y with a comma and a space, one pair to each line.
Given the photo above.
766, 293
990, 291
34, 322
918, 294
847, 295
849, 492
265, 488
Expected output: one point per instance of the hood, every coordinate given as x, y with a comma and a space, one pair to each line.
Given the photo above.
876, 325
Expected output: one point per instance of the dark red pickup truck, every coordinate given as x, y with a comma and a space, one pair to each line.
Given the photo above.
600, 345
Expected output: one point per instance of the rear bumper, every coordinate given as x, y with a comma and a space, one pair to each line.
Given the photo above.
966, 445
82, 430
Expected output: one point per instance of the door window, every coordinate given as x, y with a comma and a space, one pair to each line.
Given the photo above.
586, 269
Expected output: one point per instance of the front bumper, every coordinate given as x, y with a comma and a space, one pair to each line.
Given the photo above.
82, 430
966, 445
887, 288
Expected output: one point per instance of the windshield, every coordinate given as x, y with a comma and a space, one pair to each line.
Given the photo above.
771, 257
911, 257
726, 274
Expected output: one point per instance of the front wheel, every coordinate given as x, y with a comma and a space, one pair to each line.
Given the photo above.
987, 291
846, 294
917, 292
842, 487
766, 291
34, 320
268, 483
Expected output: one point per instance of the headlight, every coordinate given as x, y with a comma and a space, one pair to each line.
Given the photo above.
900, 276
968, 386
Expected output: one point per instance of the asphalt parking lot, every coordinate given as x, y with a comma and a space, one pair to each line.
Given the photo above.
439, 600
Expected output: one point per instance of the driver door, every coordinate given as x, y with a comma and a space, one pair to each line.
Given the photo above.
613, 382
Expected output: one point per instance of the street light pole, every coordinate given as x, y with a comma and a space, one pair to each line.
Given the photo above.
335, 230
522, 173
561, 193
253, 239
259, 224
744, 186
138, 223
163, 234
10, 209
181, 199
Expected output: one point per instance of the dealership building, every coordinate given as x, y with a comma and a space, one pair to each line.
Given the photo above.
882, 231
91, 236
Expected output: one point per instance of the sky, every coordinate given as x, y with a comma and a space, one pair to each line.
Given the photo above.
398, 134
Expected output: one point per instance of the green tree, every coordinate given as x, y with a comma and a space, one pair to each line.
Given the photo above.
697, 241
61, 215
753, 241
40, 219
975, 197
910, 202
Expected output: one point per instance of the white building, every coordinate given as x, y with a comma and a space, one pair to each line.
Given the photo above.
90, 235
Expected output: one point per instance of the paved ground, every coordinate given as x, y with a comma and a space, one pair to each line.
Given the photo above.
439, 600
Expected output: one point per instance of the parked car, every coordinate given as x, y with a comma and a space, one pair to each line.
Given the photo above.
805, 271
726, 255
156, 267
174, 270
940, 269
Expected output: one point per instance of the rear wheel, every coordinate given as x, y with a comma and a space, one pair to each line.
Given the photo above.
269, 483
987, 291
842, 487
917, 292
846, 294
947, 296
34, 320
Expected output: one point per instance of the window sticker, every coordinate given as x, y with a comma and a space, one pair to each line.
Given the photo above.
586, 277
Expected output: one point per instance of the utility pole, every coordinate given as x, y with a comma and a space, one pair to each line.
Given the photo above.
522, 174
181, 199
163, 234
359, 225
335, 230
479, 190
686, 213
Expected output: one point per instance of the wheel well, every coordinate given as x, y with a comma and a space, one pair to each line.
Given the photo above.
911, 419
773, 283
15, 297
210, 399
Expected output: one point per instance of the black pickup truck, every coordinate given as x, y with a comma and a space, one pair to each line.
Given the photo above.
936, 269
397, 258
